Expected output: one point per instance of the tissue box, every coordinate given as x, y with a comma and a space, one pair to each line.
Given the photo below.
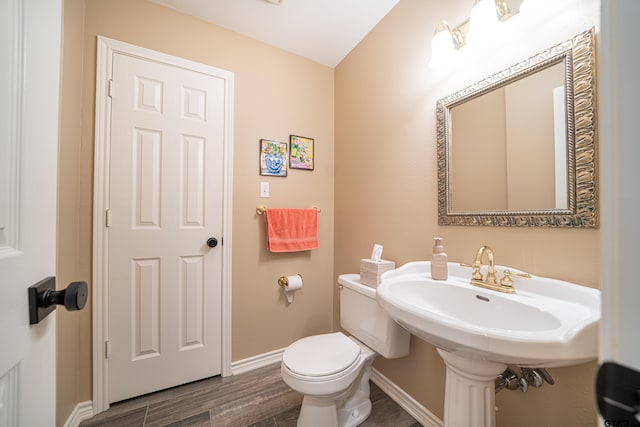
370, 271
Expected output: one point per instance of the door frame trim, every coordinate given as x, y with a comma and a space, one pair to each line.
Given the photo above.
104, 70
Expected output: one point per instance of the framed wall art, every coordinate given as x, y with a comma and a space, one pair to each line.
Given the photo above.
301, 152
273, 158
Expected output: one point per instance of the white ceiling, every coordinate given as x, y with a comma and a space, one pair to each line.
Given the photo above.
324, 31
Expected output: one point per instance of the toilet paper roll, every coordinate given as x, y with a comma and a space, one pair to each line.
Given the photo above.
293, 283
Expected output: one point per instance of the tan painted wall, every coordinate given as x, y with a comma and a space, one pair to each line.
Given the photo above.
74, 219
386, 190
276, 94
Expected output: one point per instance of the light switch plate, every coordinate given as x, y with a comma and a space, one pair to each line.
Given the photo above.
264, 189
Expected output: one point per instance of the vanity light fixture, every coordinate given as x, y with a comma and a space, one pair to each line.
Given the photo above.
276, 2
483, 25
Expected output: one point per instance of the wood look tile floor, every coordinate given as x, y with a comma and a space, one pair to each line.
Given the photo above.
258, 398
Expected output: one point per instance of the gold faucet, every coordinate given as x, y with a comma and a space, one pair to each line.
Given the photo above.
490, 282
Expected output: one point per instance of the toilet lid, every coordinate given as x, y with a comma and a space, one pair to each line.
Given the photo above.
321, 355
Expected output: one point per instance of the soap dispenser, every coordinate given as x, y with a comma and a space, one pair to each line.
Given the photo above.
439, 268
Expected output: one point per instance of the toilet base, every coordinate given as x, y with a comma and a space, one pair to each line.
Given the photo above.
317, 412
348, 411
353, 410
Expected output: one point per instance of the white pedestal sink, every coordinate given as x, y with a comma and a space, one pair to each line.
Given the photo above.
478, 332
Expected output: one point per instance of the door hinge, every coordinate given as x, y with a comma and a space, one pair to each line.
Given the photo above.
107, 349
110, 88
107, 218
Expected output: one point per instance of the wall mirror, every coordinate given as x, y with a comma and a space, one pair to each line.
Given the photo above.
518, 148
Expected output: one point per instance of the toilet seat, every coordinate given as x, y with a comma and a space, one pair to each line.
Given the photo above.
321, 356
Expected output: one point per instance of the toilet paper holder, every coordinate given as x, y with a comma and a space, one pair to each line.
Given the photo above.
283, 281
289, 285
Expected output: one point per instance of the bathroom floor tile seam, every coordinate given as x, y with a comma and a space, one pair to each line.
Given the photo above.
258, 398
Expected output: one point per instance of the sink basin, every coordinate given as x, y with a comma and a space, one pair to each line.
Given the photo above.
546, 323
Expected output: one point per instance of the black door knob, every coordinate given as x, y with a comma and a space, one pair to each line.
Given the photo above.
43, 298
73, 298
212, 242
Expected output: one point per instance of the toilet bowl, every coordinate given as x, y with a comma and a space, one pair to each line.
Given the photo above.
332, 371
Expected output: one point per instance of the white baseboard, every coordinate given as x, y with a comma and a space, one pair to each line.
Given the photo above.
406, 402
82, 411
255, 362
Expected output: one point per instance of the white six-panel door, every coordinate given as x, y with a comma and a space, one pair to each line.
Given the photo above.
166, 188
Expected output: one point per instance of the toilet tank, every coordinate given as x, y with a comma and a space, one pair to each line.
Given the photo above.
363, 318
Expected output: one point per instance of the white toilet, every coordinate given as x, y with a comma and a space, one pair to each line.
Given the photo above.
332, 370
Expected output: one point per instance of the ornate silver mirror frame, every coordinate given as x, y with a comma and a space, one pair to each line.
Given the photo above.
578, 56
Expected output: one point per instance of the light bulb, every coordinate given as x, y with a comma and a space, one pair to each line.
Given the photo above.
443, 50
483, 21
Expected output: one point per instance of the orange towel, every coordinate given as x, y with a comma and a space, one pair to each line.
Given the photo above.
291, 230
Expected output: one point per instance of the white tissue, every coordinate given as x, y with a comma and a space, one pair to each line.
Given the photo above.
376, 254
293, 284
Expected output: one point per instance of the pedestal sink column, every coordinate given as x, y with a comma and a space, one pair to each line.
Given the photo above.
469, 399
